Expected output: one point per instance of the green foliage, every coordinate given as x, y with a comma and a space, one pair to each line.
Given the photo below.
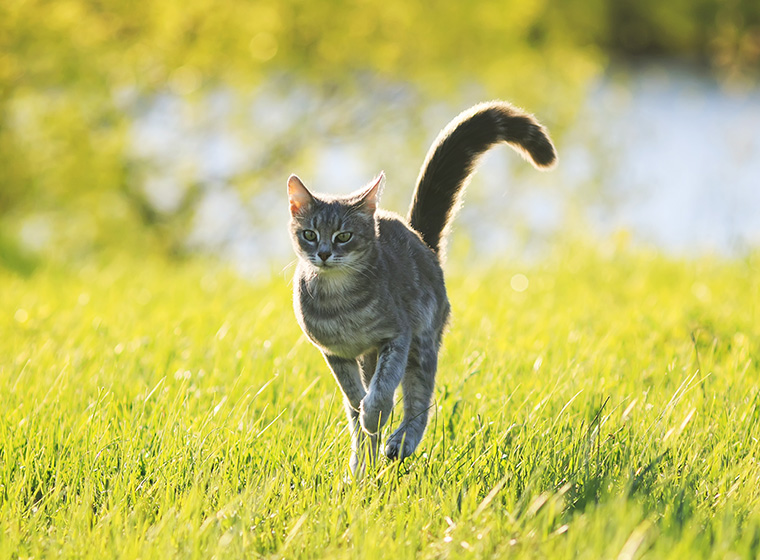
609, 408
721, 35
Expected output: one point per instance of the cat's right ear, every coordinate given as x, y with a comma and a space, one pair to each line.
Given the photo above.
299, 196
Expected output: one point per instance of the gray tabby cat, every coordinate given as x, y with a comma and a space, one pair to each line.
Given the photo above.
369, 289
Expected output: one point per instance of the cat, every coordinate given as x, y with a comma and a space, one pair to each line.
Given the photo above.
369, 291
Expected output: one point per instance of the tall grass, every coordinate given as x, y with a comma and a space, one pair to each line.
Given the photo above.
591, 405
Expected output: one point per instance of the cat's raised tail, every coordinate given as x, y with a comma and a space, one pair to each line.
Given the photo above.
454, 154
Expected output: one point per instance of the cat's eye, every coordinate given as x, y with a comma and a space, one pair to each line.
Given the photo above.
309, 235
343, 236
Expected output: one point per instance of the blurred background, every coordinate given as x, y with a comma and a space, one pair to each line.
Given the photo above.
169, 128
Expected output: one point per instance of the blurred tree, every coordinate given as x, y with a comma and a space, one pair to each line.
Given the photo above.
721, 34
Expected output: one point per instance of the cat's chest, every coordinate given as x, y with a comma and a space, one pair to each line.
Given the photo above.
345, 327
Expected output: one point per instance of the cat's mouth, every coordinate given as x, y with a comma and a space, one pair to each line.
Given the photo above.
323, 265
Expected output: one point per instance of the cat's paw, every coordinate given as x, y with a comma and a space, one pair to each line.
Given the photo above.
374, 413
401, 444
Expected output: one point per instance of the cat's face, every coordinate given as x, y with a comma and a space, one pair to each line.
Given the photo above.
332, 234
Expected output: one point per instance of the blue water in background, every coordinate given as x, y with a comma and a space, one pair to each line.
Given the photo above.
663, 153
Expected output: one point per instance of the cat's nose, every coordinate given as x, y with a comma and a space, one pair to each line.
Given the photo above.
324, 255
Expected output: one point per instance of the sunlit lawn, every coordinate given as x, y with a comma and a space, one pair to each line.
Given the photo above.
610, 409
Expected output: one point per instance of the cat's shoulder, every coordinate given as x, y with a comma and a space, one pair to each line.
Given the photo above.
394, 228
389, 219
391, 223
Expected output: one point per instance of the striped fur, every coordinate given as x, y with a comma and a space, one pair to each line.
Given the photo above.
369, 289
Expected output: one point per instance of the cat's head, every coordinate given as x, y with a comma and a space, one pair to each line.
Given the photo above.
331, 233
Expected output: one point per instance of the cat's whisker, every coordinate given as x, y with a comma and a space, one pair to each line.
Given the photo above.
292, 263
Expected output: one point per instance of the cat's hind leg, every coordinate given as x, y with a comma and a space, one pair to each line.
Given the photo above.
417, 386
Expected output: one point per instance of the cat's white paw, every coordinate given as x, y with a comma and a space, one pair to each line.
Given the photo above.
357, 468
363, 453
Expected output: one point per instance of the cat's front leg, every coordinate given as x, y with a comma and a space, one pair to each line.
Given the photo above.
391, 363
346, 373
363, 448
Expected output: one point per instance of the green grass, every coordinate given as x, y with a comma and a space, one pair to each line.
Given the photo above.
610, 410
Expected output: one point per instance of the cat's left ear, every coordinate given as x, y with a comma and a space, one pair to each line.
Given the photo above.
370, 196
299, 196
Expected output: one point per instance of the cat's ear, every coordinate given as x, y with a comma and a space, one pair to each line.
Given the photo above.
299, 196
370, 196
